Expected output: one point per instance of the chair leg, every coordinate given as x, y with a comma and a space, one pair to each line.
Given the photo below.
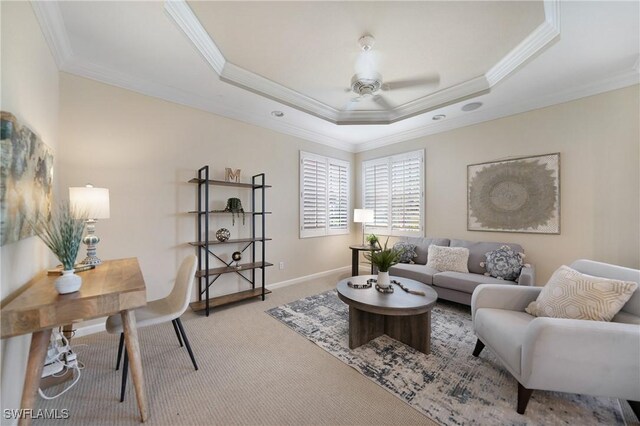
120, 346
175, 328
524, 395
635, 407
479, 347
186, 342
125, 369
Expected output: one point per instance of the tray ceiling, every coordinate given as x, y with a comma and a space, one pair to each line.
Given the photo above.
162, 50
311, 47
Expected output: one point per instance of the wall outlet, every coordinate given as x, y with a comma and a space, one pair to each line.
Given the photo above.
281, 266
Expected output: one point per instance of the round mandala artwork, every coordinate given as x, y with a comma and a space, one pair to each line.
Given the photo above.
517, 195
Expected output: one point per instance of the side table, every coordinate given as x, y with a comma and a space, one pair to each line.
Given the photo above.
355, 257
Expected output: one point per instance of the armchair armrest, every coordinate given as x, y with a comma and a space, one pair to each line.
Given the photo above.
527, 276
579, 356
502, 296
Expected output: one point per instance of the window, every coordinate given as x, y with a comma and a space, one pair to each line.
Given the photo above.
324, 196
393, 188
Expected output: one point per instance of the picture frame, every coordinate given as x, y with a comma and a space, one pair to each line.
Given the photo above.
515, 195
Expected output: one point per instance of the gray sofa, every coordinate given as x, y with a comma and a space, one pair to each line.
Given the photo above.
456, 286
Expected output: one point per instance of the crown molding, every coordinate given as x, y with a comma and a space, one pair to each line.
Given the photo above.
263, 86
540, 38
55, 33
186, 20
613, 82
470, 88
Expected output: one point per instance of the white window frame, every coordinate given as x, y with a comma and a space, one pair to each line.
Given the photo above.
389, 230
327, 230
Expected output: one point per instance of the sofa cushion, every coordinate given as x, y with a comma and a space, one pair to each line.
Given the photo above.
422, 247
478, 249
571, 294
408, 251
504, 332
465, 283
503, 263
414, 272
448, 258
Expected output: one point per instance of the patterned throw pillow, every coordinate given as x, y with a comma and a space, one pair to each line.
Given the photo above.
503, 263
571, 294
448, 258
408, 251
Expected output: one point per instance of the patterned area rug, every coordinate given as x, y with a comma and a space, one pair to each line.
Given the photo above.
449, 385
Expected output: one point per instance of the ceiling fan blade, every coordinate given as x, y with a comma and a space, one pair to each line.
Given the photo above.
382, 102
352, 104
412, 82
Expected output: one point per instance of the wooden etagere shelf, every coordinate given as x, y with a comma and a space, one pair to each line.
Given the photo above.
206, 274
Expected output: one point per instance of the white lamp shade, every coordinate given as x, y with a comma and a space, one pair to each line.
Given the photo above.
92, 201
362, 215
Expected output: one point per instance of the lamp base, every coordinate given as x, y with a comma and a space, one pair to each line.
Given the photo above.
91, 260
91, 240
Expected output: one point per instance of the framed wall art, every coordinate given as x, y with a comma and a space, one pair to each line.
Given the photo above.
515, 195
26, 179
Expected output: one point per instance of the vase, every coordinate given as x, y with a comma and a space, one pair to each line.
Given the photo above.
68, 282
383, 280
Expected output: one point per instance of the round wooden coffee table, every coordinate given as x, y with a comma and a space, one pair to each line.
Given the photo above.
400, 315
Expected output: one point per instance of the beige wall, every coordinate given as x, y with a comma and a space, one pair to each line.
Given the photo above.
598, 138
145, 150
30, 92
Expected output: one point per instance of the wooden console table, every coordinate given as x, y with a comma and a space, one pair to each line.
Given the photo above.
115, 286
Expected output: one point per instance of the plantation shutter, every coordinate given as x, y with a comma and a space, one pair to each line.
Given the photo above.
376, 192
406, 194
392, 188
338, 195
324, 196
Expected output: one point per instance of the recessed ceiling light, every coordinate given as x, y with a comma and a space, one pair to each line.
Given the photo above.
472, 106
439, 117
277, 114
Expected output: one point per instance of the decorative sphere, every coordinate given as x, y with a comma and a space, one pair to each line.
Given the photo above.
223, 234
236, 256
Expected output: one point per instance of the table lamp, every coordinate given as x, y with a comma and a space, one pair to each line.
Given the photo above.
362, 216
94, 204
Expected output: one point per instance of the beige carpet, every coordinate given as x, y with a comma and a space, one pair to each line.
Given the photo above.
253, 370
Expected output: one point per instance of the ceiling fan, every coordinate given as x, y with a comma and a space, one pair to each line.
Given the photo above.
367, 81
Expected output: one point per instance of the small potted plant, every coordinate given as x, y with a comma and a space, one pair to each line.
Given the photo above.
372, 239
383, 260
62, 233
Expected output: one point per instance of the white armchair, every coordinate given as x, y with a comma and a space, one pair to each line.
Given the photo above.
564, 355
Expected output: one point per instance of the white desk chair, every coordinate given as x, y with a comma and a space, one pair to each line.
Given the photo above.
159, 311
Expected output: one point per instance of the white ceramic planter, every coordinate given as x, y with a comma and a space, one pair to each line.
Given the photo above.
68, 282
383, 279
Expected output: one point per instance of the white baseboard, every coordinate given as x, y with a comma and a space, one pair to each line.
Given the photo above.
97, 328
308, 277
89, 329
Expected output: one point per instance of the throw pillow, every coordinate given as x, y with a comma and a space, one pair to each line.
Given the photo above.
448, 258
408, 251
574, 295
503, 263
